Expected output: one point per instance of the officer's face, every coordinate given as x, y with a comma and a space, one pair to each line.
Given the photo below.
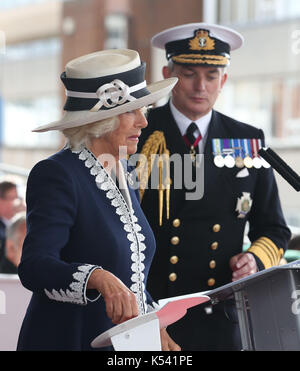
197, 89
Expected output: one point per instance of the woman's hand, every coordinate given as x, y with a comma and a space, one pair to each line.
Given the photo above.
167, 344
120, 302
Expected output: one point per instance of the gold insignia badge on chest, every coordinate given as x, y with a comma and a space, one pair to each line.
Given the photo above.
244, 205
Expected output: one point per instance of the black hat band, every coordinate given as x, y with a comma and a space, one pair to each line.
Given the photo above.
105, 92
200, 49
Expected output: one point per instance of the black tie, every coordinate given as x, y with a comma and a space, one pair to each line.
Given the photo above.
193, 128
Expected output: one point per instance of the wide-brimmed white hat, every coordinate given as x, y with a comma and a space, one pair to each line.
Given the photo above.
199, 44
106, 84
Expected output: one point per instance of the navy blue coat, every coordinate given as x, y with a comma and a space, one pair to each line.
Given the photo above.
78, 220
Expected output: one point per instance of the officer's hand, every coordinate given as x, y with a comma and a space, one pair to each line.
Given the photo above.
120, 302
242, 265
167, 344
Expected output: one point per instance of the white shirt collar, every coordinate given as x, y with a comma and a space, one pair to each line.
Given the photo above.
183, 122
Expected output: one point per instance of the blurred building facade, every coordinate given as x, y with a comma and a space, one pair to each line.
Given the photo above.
29, 84
263, 88
41, 36
90, 25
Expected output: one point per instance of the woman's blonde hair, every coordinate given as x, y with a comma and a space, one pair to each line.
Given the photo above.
78, 136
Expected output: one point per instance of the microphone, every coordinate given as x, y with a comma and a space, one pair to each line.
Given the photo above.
281, 167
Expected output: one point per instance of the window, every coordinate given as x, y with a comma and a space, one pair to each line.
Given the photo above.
270, 104
30, 93
116, 26
248, 11
10, 4
33, 49
21, 116
249, 102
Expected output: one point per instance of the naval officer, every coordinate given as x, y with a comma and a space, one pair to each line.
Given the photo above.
200, 241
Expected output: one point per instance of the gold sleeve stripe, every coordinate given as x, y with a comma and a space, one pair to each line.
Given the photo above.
266, 251
263, 255
271, 244
273, 253
279, 252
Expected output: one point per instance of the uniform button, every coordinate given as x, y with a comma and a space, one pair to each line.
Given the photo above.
214, 246
176, 223
174, 259
212, 264
216, 228
175, 240
211, 282
173, 277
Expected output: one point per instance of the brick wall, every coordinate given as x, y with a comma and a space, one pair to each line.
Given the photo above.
146, 17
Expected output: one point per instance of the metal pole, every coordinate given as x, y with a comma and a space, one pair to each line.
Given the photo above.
241, 308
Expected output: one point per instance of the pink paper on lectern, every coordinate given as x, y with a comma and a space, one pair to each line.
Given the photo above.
175, 310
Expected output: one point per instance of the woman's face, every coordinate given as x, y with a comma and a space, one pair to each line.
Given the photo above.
128, 132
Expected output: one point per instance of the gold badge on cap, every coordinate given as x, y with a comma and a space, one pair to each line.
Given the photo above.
244, 205
202, 41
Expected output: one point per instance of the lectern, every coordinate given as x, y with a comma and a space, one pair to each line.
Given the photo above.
268, 306
267, 303
143, 333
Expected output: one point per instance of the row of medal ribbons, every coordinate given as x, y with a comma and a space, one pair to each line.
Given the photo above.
238, 152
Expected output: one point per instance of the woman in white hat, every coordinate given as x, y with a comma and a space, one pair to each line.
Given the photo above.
89, 247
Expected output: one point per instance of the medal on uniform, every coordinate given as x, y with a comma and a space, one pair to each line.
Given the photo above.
248, 162
244, 205
229, 161
217, 151
257, 163
219, 161
236, 145
265, 164
239, 162
256, 160
227, 151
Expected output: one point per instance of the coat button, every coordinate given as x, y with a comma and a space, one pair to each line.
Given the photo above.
214, 246
173, 277
212, 264
211, 282
216, 228
176, 223
174, 259
175, 240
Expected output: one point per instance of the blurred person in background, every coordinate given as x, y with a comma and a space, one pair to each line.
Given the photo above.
15, 235
88, 247
200, 242
294, 243
8, 198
